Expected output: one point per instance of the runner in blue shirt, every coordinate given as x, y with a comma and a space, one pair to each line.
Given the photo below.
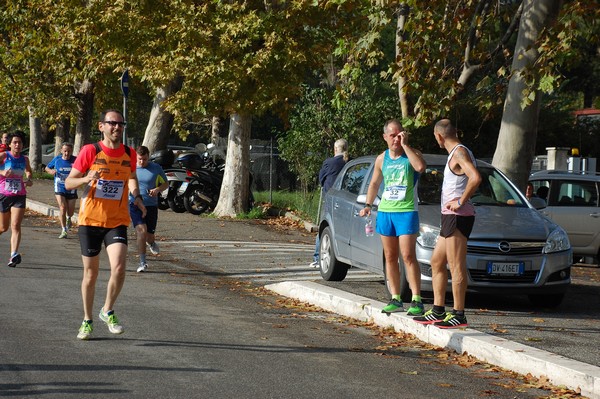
60, 167
152, 181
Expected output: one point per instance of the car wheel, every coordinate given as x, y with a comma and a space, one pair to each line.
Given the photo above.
331, 268
547, 300
405, 293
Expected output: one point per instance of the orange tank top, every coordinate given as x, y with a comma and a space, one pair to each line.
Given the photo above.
104, 202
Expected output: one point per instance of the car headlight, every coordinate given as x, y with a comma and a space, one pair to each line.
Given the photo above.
428, 236
557, 241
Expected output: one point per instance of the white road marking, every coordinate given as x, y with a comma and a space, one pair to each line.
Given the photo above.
281, 261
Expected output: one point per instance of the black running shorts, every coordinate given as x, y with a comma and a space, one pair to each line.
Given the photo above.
451, 223
92, 237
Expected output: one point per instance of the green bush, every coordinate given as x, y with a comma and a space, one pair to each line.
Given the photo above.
319, 120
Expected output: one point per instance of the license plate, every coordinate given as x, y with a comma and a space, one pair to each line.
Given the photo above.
183, 187
505, 268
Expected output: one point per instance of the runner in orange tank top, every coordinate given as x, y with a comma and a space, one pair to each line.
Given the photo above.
108, 172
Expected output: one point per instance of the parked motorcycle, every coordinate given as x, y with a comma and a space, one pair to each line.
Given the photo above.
176, 170
204, 188
195, 179
192, 164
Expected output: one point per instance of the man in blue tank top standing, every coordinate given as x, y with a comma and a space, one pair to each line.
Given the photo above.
397, 217
461, 180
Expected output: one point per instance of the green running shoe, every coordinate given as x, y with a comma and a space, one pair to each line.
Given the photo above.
63, 234
393, 306
416, 309
111, 321
85, 331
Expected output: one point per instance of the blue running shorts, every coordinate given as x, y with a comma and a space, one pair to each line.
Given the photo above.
395, 224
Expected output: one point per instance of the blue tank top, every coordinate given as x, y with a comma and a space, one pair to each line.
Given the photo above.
63, 168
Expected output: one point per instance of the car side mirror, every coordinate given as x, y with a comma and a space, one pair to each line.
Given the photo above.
362, 199
538, 203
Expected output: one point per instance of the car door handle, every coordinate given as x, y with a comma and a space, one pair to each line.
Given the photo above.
595, 215
356, 213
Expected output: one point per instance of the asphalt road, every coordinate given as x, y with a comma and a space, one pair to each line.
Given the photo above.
262, 252
207, 266
193, 332
252, 254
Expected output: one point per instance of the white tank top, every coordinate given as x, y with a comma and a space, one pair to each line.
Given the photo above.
454, 186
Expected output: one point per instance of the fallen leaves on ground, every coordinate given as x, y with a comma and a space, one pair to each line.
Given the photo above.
498, 329
282, 223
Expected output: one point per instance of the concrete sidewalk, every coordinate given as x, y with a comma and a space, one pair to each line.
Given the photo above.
495, 350
513, 356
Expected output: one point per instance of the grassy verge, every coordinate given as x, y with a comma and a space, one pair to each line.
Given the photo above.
305, 205
42, 175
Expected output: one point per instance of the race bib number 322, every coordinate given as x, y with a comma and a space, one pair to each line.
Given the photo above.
110, 189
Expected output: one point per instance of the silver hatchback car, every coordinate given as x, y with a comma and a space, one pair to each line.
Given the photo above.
513, 249
572, 202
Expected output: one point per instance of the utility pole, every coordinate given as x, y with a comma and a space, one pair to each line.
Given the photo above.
125, 90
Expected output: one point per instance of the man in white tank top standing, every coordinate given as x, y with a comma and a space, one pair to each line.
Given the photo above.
461, 180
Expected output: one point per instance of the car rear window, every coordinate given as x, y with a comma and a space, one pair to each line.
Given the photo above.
573, 193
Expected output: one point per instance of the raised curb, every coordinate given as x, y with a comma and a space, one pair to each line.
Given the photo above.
495, 350
45, 209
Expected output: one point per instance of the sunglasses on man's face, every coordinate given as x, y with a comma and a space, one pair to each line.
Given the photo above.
115, 123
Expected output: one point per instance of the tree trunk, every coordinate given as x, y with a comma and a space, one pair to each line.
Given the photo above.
402, 17
84, 93
35, 140
219, 136
62, 133
218, 131
235, 189
516, 141
588, 97
45, 131
161, 121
